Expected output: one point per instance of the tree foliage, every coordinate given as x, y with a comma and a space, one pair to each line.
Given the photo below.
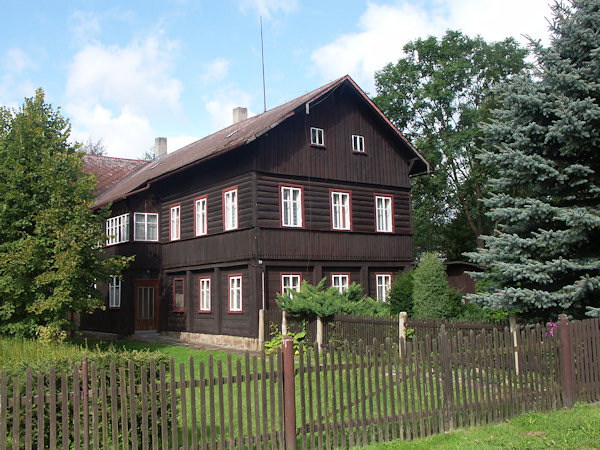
433, 298
94, 147
49, 260
544, 256
437, 95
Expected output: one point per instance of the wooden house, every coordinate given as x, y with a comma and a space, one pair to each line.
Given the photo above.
317, 187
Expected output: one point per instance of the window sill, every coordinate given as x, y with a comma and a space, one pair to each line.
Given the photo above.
204, 312
318, 146
354, 152
235, 312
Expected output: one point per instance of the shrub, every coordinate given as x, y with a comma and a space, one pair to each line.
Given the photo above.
431, 293
401, 294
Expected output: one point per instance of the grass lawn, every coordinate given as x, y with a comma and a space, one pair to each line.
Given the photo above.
568, 428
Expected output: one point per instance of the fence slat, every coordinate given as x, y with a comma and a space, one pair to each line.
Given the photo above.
94, 397
144, 424
41, 394
3, 410
221, 404
194, 429
183, 403
258, 437
16, 413
230, 402
211, 402
163, 408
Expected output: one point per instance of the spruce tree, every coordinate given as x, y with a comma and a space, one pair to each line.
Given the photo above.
544, 256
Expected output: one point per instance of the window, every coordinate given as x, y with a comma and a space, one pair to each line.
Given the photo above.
117, 229
317, 136
230, 209
114, 292
235, 293
358, 143
145, 226
291, 206
175, 224
384, 214
340, 281
200, 217
178, 295
384, 284
340, 211
204, 293
290, 282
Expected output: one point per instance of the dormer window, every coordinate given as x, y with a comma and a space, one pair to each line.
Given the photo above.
358, 143
317, 136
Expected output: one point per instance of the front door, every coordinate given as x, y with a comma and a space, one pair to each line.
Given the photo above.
145, 304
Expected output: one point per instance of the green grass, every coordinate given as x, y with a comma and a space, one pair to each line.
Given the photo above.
578, 427
16, 351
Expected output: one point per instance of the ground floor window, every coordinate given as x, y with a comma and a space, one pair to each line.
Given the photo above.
384, 284
114, 292
204, 290
178, 295
235, 293
290, 282
340, 281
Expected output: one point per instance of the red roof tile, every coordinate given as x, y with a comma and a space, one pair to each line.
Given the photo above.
109, 171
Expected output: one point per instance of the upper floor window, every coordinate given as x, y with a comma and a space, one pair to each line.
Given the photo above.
317, 136
114, 292
290, 282
384, 284
230, 209
384, 214
201, 218
178, 295
235, 293
358, 143
204, 291
145, 226
340, 211
175, 224
340, 281
117, 229
291, 206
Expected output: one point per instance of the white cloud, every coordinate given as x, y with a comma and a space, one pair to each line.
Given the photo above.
14, 84
114, 92
384, 29
84, 25
215, 70
176, 142
220, 105
16, 61
267, 8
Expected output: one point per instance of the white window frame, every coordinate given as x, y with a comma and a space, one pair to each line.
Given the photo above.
201, 216
114, 292
236, 293
175, 221
204, 301
117, 229
383, 281
341, 217
384, 213
230, 209
317, 136
341, 281
358, 143
291, 209
138, 218
290, 282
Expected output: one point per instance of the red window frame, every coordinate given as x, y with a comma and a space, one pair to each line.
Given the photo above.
205, 198
295, 186
241, 277
174, 205
200, 310
341, 191
237, 206
391, 197
175, 308
282, 274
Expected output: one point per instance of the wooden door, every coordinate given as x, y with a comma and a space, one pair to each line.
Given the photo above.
146, 292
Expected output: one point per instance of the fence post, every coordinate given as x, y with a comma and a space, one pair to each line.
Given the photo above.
514, 329
402, 318
261, 328
283, 323
319, 331
289, 394
566, 360
84, 383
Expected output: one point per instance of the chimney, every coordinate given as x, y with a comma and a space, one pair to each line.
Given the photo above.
160, 147
239, 114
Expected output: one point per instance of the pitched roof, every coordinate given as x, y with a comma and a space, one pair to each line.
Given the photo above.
232, 137
109, 171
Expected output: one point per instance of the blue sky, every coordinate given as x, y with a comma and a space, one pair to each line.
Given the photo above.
126, 72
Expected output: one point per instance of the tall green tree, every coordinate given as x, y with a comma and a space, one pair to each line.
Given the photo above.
49, 255
544, 256
433, 298
437, 95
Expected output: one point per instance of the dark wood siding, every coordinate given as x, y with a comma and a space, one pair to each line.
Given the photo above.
286, 149
317, 205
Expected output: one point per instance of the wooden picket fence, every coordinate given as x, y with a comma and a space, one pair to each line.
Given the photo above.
333, 396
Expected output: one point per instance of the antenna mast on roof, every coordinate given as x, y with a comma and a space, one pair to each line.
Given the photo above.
262, 53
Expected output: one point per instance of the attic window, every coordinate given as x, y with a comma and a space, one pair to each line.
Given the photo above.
231, 134
317, 136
